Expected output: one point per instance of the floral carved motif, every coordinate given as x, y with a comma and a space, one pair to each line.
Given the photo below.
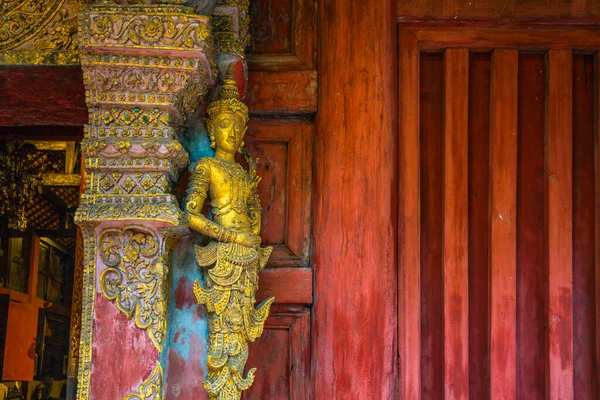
135, 278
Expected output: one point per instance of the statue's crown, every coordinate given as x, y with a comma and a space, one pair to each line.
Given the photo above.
229, 101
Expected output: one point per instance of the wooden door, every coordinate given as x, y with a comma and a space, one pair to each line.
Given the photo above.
498, 234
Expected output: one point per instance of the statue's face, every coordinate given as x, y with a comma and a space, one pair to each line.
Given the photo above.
228, 128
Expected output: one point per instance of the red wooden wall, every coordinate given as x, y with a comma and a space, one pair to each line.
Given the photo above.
501, 216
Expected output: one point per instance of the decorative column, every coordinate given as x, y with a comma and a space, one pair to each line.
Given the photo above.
146, 68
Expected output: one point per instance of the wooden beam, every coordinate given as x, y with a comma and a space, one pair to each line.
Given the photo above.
503, 225
559, 224
486, 39
456, 238
51, 179
409, 220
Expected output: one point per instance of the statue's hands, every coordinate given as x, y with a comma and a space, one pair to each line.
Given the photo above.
247, 239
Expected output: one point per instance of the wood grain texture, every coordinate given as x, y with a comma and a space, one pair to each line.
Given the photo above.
354, 330
455, 225
287, 285
584, 366
282, 356
531, 286
409, 232
479, 156
431, 136
503, 224
596, 82
42, 96
498, 9
286, 184
488, 39
289, 92
283, 35
559, 224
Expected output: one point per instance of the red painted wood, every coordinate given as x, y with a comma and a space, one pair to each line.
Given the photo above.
55, 95
531, 353
287, 285
354, 331
503, 224
282, 356
596, 82
487, 39
479, 155
456, 232
42, 96
498, 8
584, 366
290, 182
431, 170
289, 92
409, 249
559, 224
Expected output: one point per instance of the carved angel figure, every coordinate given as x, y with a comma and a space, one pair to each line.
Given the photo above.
232, 259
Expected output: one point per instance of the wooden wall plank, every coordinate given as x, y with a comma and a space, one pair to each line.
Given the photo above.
354, 236
597, 208
503, 224
479, 155
456, 238
486, 39
497, 9
531, 289
409, 221
559, 229
584, 384
431, 123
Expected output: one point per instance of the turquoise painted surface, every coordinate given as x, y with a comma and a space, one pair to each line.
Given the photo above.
184, 356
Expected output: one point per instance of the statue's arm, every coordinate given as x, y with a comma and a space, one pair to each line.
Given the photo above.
196, 195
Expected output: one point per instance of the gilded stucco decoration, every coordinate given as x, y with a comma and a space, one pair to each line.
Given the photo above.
233, 258
136, 278
231, 26
146, 67
151, 388
39, 32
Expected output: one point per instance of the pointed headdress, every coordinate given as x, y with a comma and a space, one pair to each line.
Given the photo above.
229, 101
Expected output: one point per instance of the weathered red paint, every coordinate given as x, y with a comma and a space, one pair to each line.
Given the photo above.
559, 224
122, 357
503, 224
531, 358
431, 126
584, 364
479, 123
455, 224
354, 331
185, 376
184, 293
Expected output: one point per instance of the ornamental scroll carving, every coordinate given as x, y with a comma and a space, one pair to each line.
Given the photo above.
136, 278
151, 388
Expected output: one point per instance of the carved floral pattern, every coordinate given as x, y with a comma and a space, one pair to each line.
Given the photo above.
136, 278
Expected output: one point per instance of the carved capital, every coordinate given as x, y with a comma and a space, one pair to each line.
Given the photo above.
146, 68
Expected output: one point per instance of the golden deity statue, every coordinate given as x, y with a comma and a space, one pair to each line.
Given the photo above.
233, 258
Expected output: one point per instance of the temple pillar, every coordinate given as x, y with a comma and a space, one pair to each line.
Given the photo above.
146, 69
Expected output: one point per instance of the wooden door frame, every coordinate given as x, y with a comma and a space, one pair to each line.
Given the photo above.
414, 38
